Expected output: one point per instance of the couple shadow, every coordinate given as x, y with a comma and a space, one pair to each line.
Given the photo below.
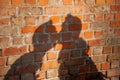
58, 52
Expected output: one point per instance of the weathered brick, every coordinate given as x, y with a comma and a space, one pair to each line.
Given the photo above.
98, 59
99, 8
30, 20
56, 10
99, 17
52, 55
97, 50
90, 2
3, 71
113, 72
115, 64
16, 21
18, 40
4, 42
52, 73
13, 59
79, 2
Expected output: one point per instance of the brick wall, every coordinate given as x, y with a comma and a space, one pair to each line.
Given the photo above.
59, 40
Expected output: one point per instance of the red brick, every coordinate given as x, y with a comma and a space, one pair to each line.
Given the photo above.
117, 17
66, 36
105, 66
4, 2
107, 50
40, 57
28, 76
84, 26
14, 51
16, 2
55, 19
95, 67
74, 62
114, 24
99, 17
79, 2
84, 69
108, 17
75, 27
52, 55
67, 2
4, 21
31, 29
64, 45
113, 57
100, 1
115, 8
50, 65
52, 28
40, 47
93, 42
117, 32
87, 52
113, 72
32, 2
31, 68
43, 2
14, 77
88, 35
40, 75
2, 61
116, 49
117, 1
98, 34
54, 37
110, 1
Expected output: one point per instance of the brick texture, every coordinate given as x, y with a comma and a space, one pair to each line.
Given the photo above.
59, 39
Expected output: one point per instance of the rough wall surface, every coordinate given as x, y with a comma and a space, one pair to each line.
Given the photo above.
59, 39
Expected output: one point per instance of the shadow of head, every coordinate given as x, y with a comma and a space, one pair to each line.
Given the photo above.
56, 47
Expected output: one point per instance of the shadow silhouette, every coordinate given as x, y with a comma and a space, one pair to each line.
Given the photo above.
59, 50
